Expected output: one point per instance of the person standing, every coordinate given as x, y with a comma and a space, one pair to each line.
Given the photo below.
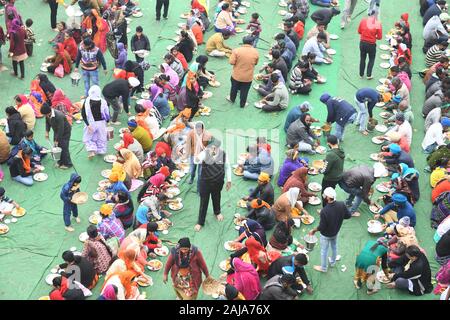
348, 11
62, 130
214, 170
54, 12
243, 60
159, 5
95, 114
196, 141
139, 42
334, 164
67, 192
17, 48
339, 111
186, 265
90, 57
331, 218
370, 30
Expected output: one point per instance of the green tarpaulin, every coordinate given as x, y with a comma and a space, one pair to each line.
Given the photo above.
35, 243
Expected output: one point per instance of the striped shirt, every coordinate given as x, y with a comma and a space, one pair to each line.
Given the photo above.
433, 55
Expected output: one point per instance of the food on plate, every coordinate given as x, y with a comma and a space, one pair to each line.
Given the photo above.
307, 219
314, 186
155, 265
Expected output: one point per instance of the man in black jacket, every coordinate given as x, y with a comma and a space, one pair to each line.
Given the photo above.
279, 287
214, 170
263, 191
62, 130
417, 278
324, 16
119, 88
331, 218
294, 265
139, 42
289, 31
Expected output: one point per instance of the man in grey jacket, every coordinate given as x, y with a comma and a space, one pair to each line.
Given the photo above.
279, 287
299, 133
435, 101
435, 28
357, 182
279, 98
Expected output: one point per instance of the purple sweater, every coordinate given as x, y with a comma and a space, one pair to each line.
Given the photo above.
288, 167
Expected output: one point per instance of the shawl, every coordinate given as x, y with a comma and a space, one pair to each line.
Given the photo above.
246, 279
131, 166
94, 94
63, 54
174, 79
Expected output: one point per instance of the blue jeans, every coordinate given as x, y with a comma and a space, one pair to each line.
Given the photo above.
69, 208
255, 42
363, 114
28, 181
339, 130
430, 148
325, 243
354, 194
87, 77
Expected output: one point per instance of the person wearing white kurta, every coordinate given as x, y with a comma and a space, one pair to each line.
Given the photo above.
435, 136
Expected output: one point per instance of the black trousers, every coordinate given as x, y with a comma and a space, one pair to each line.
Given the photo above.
53, 12
159, 5
29, 48
243, 87
65, 154
22, 68
326, 184
207, 190
367, 49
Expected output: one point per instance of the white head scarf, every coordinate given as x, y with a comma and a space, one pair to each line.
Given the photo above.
292, 195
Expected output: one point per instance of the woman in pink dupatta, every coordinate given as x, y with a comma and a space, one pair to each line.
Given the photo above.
173, 83
11, 11
61, 103
245, 279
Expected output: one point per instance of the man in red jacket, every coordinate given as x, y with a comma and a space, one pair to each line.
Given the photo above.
370, 30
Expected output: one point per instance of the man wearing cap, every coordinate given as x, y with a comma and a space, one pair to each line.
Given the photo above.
62, 132
434, 10
357, 182
397, 156
366, 99
90, 57
110, 226
295, 114
116, 90
334, 164
331, 218
95, 115
397, 209
215, 168
243, 59
436, 135
263, 191
141, 135
339, 111
436, 52
434, 29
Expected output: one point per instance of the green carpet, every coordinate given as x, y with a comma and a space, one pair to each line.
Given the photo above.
34, 245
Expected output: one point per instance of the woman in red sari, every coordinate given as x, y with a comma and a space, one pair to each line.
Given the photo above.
62, 103
259, 256
70, 45
61, 57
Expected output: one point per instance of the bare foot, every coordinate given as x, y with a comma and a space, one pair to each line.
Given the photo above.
219, 217
356, 214
319, 268
355, 282
69, 229
78, 220
197, 227
365, 133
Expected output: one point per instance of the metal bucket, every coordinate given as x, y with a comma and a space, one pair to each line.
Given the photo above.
56, 153
110, 133
310, 242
